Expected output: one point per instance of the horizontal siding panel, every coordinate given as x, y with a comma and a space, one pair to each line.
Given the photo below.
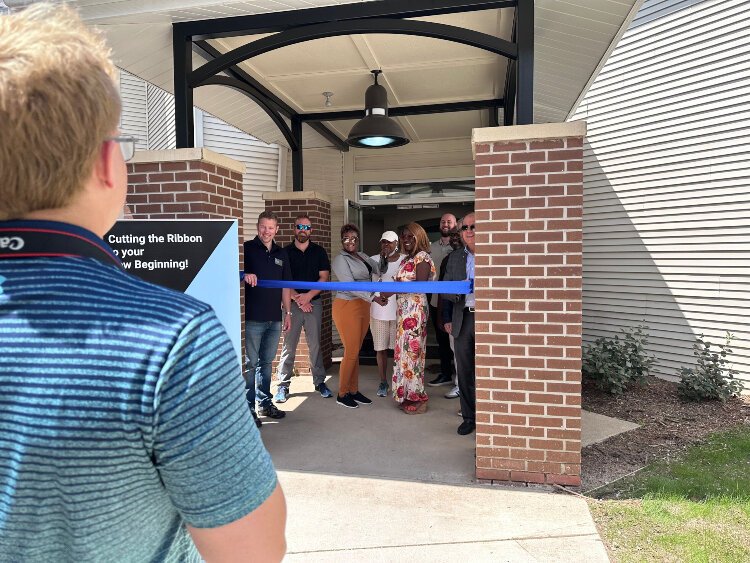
134, 116
666, 217
261, 162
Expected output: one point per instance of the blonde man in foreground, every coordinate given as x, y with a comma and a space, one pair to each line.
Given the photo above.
125, 435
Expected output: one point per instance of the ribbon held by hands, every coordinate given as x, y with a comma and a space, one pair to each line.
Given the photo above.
454, 287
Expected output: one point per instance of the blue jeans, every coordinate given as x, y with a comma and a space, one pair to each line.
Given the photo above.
261, 343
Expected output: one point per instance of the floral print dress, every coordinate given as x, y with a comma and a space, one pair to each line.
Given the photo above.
411, 336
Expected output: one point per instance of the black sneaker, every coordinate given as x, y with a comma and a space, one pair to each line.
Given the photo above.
258, 422
272, 412
467, 427
441, 380
347, 401
360, 398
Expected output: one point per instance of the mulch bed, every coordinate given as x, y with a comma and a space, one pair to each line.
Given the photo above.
668, 425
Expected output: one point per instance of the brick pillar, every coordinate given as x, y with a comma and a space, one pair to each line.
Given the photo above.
287, 205
187, 184
529, 198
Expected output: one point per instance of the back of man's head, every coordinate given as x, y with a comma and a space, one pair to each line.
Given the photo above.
58, 103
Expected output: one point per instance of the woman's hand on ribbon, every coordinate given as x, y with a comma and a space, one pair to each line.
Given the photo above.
251, 280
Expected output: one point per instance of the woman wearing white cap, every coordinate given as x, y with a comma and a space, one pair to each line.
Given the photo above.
383, 310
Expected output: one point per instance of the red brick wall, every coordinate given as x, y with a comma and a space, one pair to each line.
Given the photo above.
193, 189
529, 196
320, 217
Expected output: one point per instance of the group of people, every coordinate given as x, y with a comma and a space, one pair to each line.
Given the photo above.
397, 321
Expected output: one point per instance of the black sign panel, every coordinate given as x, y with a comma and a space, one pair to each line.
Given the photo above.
169, 253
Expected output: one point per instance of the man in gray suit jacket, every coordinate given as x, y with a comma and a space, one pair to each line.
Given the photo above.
461, 324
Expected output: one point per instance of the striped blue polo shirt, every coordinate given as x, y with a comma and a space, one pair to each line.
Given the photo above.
122, 417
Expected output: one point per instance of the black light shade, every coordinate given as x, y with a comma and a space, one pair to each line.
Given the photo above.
376, 130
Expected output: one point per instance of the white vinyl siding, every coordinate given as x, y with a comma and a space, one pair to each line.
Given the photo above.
134, 116
161, 128
666, 170
261, 160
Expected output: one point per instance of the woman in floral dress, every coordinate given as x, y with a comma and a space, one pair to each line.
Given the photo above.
412, 314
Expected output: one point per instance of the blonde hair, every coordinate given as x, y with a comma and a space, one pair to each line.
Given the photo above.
58, 103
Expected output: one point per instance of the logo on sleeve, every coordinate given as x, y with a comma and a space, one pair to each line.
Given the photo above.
11, 243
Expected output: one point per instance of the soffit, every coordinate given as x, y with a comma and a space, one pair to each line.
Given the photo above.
571, 39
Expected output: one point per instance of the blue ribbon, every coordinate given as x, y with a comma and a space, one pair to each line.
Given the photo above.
455, 287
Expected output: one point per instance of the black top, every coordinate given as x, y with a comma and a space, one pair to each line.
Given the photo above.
262, 304
307, 265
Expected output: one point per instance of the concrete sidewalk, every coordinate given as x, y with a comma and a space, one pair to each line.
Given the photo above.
374, 484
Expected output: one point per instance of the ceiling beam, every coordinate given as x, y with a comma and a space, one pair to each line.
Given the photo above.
404, 110
293, 36
279, 21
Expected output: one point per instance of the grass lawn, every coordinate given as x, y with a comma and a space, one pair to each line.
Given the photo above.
694, 508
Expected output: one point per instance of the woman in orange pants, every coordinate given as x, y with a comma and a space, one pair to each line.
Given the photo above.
351, 314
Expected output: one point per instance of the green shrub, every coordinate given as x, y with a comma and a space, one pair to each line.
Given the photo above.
614, 363
712, 377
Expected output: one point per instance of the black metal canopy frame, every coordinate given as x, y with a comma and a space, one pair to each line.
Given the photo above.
384, 16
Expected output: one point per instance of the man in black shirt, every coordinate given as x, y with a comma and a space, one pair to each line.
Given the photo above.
264, 260
309, 262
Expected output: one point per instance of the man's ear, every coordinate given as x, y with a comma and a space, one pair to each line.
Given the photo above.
106, 164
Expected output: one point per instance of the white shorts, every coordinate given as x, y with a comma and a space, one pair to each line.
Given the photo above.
383, 334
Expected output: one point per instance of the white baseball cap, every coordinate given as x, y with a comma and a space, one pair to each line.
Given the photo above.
390, 236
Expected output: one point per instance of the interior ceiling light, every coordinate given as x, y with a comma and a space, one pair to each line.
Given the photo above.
328, 103
378, 192
376, 130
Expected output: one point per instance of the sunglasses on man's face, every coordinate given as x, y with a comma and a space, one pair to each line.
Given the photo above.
303, 227
467, 227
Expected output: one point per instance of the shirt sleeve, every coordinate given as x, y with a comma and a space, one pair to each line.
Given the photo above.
286, 273
246, 252
324, 264
207, 449
344, 273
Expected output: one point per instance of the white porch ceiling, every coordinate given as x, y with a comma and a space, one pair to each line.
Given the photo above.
572, 37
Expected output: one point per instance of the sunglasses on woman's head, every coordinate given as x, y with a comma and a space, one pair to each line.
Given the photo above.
467, 227
303, 227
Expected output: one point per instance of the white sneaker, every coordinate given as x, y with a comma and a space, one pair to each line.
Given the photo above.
452, 394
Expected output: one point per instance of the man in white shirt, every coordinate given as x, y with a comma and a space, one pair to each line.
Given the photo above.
383, 310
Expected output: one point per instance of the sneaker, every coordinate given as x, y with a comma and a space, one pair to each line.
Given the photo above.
360, 398
383, 389
441, 380
452, 394
466, 427
272, 412
281, 395
324, 391
347, 401
258, 422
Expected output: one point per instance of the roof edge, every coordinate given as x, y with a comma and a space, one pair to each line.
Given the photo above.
605, 57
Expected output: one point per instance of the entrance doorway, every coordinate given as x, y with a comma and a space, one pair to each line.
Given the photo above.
387, 207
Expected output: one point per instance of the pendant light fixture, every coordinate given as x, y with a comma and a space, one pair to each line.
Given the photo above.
376, 130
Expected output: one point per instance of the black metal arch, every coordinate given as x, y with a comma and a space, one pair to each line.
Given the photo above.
249, 92
333, 29
383, 16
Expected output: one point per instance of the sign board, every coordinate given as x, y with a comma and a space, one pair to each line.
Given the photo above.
199, 257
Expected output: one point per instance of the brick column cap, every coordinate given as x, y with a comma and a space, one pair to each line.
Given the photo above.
291, 196
535, 132
179, 155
